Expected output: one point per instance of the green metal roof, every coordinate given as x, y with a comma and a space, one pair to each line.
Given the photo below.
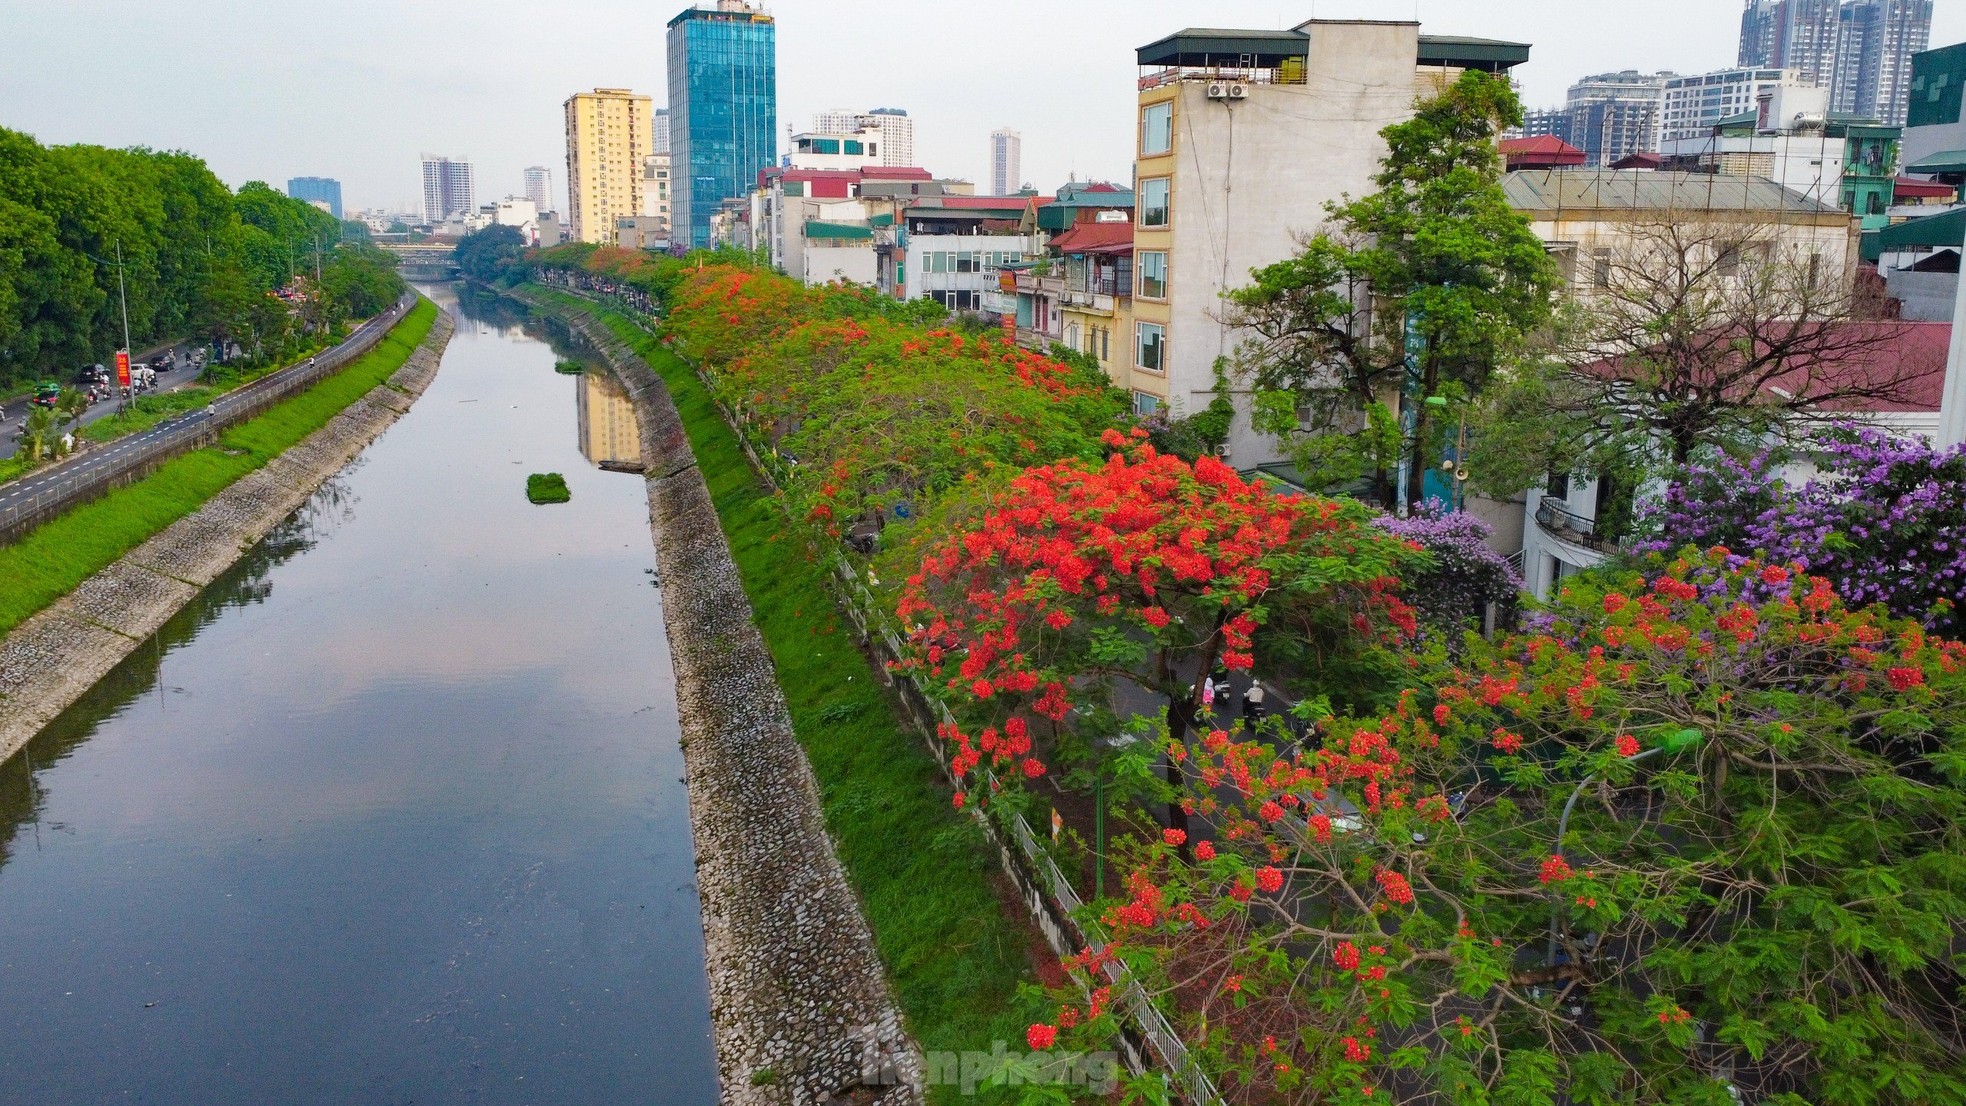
1491, 55
1931, 232
1202, 47
842, 232
1948, 161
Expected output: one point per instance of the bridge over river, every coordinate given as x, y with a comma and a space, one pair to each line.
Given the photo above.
425, 261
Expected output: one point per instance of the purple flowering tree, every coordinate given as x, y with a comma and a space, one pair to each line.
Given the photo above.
1466, 575
1884, 521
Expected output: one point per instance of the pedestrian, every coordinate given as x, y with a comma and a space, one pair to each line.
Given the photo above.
1208, 695
1252, 703
211, 410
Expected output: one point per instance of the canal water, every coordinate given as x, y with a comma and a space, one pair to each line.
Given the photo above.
392, 813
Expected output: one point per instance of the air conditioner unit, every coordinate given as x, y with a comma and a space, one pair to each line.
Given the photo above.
1218, 92
1238, 92
1222, 451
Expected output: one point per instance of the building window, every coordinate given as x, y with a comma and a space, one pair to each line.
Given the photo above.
1151, 354
1145, 404
1153, 202
1153, 274
1157, 129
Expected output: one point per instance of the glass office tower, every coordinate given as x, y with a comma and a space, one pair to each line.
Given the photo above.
723, 110
317, 190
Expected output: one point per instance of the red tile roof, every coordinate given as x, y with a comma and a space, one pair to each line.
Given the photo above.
1542, 151
1095, 238
1911, 367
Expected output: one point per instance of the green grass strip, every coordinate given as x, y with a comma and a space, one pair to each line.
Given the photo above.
923, 871
55, 558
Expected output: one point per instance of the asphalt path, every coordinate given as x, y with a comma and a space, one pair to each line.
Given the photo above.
14, 411
104, 461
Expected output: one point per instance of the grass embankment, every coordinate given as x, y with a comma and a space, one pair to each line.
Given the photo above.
923, 871
55, 558
148, 412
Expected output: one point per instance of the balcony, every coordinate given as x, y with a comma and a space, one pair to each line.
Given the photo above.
1563, 524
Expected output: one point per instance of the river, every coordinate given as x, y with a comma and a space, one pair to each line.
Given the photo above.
392, 813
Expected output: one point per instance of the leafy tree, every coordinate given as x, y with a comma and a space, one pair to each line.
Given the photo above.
1701, 336
1686, 839
1463, 573
1144, 572
487, 255
1422, 288
1192, 437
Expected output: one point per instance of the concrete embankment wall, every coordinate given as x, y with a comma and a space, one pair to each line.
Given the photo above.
799, 1001
52, 659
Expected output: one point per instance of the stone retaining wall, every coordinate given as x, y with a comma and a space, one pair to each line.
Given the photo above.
799, 1001
52, 659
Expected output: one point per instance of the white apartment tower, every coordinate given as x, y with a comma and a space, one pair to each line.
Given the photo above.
1006, 162
659, 131
539, 188
447, 189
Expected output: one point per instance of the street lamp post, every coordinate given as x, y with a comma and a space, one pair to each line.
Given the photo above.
123, 297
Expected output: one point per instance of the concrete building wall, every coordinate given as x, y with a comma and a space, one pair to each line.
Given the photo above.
826, 264
1925, 297
1250, 177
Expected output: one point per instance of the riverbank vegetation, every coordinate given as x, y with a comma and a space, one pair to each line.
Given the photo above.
1629, 850
196, 260
55, 558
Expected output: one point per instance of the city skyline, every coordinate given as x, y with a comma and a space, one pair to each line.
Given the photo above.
499, 95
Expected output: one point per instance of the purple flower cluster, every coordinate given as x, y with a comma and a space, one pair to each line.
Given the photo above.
1885, 521
1467, 573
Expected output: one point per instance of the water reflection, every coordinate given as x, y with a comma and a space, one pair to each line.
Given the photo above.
391, 813
609, 434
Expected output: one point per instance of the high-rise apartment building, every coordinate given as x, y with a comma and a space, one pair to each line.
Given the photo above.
658, 199
1859, 49
1609, 116
896, 126
539, 188
324, 191
607, 142
659, 131
1878, 39
447, 189
1006, 162
723, 110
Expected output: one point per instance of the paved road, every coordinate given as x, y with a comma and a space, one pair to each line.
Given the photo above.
101, 462
13, 412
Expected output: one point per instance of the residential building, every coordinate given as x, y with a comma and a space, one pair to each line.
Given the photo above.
1858, 49
448, 190
517, 212
1878, 40
951, 249
1615, 115
659, 131
858, 150
324, 192
896, 126
1792, 140
1081, 297
1792, 34
1006, 162
1696, 103
1541, 152
1591, 220
539, 188
641, 232
723, 104
607, 147
550, 231
657, 199
1244, 137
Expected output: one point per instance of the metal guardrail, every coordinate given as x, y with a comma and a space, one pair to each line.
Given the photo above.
1559, 521
1054, 904
44, 494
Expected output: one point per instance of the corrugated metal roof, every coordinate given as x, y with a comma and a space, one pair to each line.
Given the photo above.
1948, 161
1931, 232
819, 229
1541, 190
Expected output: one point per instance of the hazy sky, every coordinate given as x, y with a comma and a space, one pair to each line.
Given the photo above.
357, 89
